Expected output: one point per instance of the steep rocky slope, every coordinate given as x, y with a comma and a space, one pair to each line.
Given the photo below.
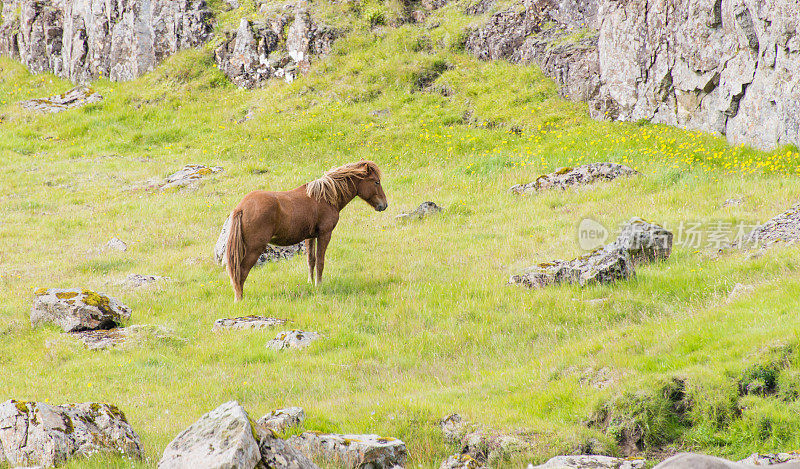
729, 66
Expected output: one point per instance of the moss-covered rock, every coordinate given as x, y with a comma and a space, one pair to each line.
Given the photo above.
77, 310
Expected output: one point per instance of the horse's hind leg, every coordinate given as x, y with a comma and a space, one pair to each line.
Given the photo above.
312, 258
250, 259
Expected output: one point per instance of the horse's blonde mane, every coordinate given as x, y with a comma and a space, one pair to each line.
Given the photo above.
331, 185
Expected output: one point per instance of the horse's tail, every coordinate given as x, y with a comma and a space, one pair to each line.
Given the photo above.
234, 251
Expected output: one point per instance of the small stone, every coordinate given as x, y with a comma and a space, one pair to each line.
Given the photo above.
352, 451
461, 461
74, 98
732, 202
424, 210
294, 339
116, 244
222, 438
454, 427
77, 309
247, 323
39, 433
282, 419
139, 280
565, 178
740, 290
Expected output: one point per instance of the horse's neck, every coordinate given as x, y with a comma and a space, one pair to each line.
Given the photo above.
347, 196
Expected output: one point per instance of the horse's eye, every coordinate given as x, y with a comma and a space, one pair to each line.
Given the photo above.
377, 183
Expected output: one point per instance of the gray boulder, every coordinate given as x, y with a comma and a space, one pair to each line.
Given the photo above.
640, 242
221, 439
77, 309
271, 254
565, 178
39, 433
461, 461
76, 97
276, 453
352, 451
83, 39
280, 420
591, 462
784, 228
702, 461
294, 339
424, 210
107, 338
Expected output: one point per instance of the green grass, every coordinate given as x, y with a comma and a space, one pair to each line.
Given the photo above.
419, 319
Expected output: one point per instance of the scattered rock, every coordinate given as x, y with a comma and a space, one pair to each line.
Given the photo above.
461, 461
591, 462
107, 338
702, 461
479, 7
352, 451
733, 202
77, 309
222, 438
282, 419
785, 228
282, 47
454, 428
740, 290
293, 339
276, 453
565, 178
116, 244
424, 210
247, 322
82, 39
757, 459
76, 97
271, 254
380, 112
140, 280
189, 175
39, 433
640, 242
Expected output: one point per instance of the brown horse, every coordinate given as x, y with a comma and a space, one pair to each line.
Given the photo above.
309, 212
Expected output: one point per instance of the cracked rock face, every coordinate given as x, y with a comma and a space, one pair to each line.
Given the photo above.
352, 451
730, 66
77, 309
281, 47
271, 254
84, 39
39, 433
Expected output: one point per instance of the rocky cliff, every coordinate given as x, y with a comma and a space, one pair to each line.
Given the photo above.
84, 39
725, 66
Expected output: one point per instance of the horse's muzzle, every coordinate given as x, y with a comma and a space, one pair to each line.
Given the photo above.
382, 206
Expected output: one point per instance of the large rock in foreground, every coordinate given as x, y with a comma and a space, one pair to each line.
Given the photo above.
591, 462
702, 461
222, 438
83, 39
39, 433
225, 438
77, 309
352, 451
565, 178
640, 242
271, 254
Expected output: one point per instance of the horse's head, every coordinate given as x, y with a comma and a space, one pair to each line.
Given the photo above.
369, 187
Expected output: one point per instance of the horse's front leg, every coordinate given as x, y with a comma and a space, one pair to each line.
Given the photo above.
311, 255
322, 245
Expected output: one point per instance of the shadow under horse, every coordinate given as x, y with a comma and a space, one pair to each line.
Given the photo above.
309, 212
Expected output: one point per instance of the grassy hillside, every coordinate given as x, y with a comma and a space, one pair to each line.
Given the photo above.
419, 319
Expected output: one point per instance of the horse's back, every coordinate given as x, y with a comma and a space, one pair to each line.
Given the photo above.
288, 216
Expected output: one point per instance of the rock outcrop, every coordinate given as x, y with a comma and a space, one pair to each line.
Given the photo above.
281, 47
74, 98
479, 445
640, 242
271, 254
77, 309
565, 178
352, 451
83, 39
39, 433
294, 339
730, 66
